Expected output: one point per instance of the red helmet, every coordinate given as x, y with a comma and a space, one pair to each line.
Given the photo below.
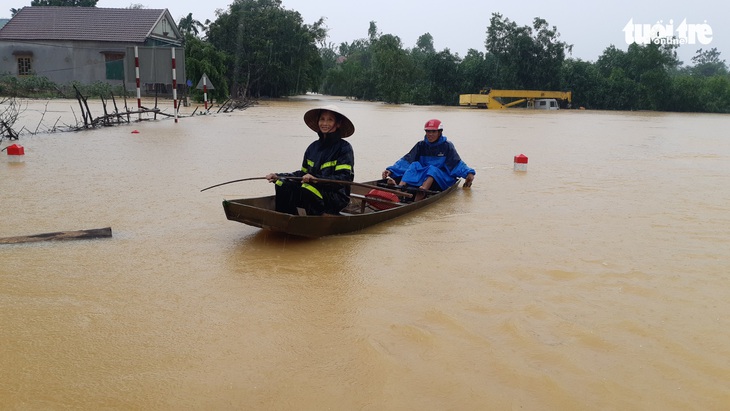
434, 124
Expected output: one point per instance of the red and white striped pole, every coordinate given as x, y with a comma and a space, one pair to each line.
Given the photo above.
205, 92
174, 84
136, 74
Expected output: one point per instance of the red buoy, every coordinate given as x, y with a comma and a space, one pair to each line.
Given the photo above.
16, 150
521, 162
15, 153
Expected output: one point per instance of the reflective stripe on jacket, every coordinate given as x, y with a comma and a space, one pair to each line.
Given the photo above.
330, 158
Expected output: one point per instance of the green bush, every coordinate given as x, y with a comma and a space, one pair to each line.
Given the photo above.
42, 87
30, 86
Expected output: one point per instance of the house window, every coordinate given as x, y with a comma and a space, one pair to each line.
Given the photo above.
24, 67
114, 66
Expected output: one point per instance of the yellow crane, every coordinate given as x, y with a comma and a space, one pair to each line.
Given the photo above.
494, 99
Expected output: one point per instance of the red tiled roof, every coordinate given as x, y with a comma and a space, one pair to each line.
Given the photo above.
81, 23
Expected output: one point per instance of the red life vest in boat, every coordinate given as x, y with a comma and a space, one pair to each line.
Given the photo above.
382, 195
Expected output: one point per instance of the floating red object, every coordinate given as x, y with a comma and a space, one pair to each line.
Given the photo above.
135, 132
16, 150
388, 199
521, 162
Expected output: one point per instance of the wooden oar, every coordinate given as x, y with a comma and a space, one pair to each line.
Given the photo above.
321, 180
61, 235
234, 181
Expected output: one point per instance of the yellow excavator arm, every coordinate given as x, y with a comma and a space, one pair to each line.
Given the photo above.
495, 99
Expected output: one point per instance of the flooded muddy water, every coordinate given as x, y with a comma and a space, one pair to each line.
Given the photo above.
597, 279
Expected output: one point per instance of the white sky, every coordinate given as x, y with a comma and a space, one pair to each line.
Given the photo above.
461, 24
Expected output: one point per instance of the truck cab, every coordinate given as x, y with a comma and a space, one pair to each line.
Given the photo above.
546, 104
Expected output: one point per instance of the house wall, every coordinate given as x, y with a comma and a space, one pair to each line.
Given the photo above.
155, 69
62, 61
65, 61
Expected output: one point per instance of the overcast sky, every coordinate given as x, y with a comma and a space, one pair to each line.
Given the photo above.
461, 24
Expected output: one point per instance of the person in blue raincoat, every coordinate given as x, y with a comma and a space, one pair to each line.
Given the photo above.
432, 164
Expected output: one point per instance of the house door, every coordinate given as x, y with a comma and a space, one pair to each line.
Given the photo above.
114, 66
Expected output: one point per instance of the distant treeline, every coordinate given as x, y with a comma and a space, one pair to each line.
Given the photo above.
257, 48
645, 77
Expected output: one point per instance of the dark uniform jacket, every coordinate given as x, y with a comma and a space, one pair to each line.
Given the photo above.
330, 158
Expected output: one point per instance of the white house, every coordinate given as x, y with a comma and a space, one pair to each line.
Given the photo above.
89, 44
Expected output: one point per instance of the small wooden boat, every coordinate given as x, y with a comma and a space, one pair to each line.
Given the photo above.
367, 207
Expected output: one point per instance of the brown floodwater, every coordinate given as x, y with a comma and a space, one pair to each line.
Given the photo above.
598, 279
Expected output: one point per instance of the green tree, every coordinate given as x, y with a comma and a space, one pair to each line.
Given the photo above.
584, 80
354, 75
435, 75
424, 44
621, 92
708, 63
201, 58
188, 25
349, 78
638, 79
420, 88
527, 57
373, 33
688, 93
610, 58
716, 94
391, 68
270, 51
441, 71
474, 73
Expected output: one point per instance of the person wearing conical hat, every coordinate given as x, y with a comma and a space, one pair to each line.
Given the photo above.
329, 157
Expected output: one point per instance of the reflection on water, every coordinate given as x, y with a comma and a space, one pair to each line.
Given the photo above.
595, 280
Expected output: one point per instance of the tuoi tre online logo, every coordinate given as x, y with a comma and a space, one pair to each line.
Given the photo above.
685, 33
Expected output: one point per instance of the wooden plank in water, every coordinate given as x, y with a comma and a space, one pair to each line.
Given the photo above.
105, 232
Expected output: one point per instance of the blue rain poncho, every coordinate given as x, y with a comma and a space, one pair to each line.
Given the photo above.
439, 160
